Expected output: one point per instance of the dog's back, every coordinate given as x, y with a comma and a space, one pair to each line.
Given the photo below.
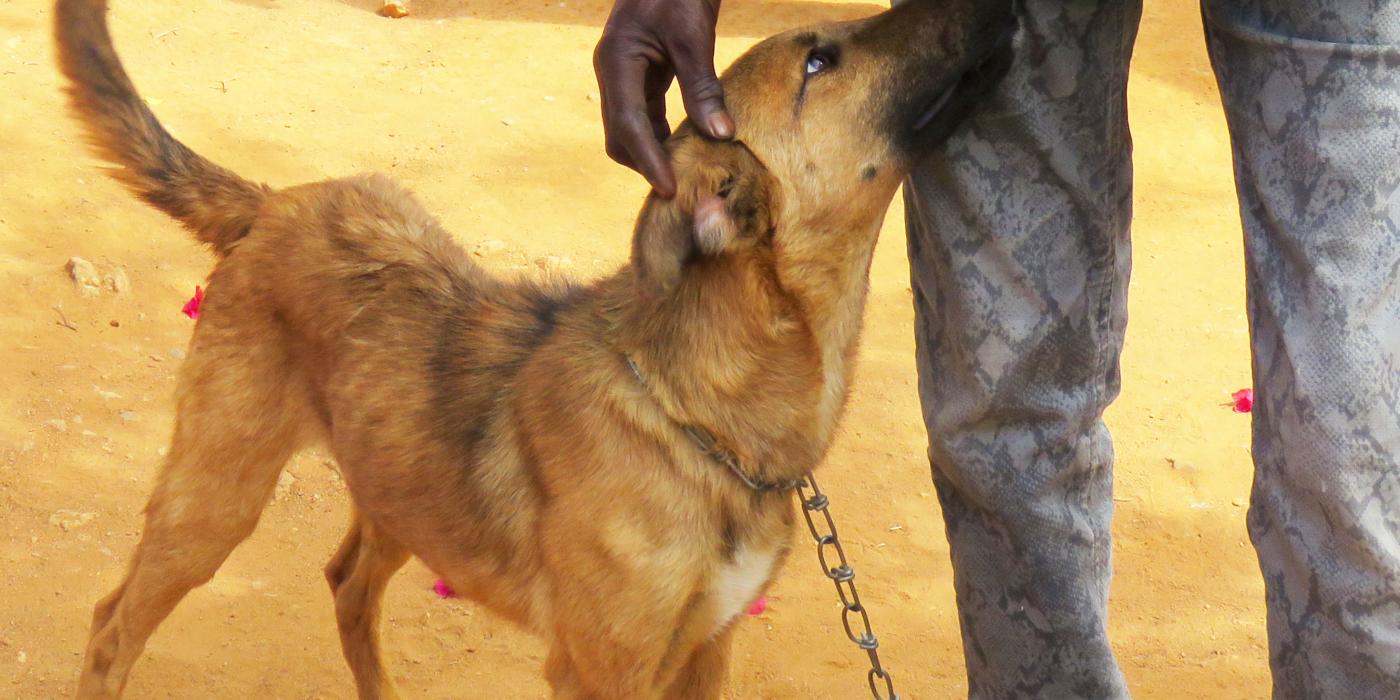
355, 258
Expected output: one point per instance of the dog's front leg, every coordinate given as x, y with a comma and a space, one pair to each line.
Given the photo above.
703, 676
593, 667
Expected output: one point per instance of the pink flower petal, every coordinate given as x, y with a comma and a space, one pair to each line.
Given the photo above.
757, 607
443, 590
191, 307
1243, 400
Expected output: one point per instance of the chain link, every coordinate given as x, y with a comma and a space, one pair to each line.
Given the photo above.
858, 629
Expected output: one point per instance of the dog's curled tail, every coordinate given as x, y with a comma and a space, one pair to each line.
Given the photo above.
214, 203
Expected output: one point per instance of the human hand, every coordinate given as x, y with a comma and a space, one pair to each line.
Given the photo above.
645, 45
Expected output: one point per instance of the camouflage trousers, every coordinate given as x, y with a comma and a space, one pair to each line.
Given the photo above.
1018, 242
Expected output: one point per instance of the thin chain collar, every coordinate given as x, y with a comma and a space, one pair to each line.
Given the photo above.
710, 445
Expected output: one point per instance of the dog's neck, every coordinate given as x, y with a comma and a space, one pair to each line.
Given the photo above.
756, 347
828, 272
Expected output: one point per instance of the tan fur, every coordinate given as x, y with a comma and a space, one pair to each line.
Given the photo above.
492, 428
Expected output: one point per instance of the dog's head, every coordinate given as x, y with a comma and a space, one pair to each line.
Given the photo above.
829, 120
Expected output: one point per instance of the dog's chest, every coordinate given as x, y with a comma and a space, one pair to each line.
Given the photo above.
738, 582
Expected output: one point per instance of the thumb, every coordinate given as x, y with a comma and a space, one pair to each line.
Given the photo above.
704, 98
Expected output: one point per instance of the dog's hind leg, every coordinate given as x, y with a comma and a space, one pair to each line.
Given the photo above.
358, 574
238, 421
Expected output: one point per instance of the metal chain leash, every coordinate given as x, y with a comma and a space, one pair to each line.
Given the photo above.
845, 579
842, 574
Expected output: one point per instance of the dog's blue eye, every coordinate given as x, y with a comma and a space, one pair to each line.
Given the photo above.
817, 63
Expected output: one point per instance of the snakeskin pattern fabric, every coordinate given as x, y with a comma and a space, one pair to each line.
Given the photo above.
1019, 250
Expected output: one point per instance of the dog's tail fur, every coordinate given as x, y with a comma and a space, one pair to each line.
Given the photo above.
215, 204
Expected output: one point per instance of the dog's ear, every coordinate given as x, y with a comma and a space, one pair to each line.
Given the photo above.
722, 202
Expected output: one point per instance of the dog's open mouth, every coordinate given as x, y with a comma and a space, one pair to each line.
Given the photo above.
942, 111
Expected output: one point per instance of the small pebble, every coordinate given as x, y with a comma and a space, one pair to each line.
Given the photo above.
285, 481
70, 519
551, 263
84, 276
488, 248
117, 282
394, 10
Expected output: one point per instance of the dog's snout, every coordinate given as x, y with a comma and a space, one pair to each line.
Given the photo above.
951, 54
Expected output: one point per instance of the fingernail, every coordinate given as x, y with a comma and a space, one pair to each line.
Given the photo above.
721, 126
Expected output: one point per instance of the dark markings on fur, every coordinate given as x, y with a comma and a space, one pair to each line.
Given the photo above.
479, 350
344, 241
544, 306
687, 611
456, 361
729, 535
869, 173
468, 385
530, 462
745, 206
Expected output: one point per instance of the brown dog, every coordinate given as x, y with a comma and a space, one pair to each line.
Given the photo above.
601, 464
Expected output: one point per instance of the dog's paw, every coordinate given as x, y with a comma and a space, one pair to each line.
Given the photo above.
394, 9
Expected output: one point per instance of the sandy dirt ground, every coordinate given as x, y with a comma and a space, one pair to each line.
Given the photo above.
487, 108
